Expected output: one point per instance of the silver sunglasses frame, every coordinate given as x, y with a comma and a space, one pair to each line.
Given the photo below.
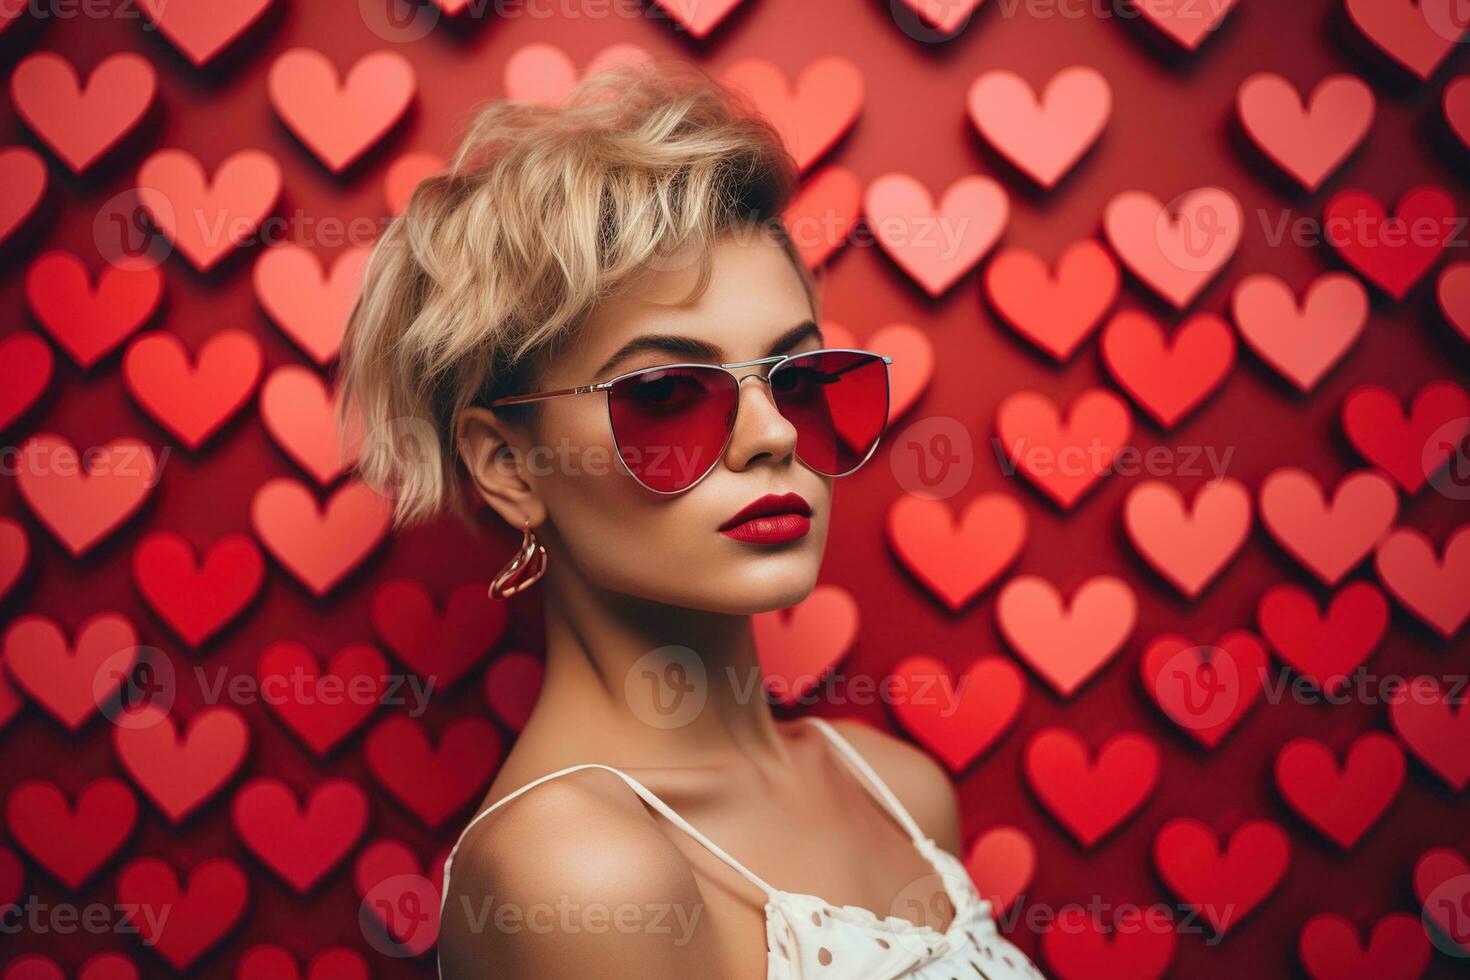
776, 361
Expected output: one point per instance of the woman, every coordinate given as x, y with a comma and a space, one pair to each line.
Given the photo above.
597, 310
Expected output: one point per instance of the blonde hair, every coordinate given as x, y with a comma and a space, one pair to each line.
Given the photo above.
543, 212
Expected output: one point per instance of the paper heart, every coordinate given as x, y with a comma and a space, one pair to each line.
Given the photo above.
83, 506
197, 599
1329, 540
82, 124
1205, 688
1457, 107
388, 877
321, 708
208, 219
1435, 729
1175, 250
1418, 34
441, 647
1169, 376
1055, 311
274, 963
300, 846
1330, 948
1091, 797
192, 397
512, 685
956, 720
22, 185
913, 363
1138, 946
319, 545
1001, 862
310, 306
340, 119
1453, 293
1187, 24
823, 213
956, 560
1064, 458
102, 966
1435, 590
1303, 342
1044, 138
811, 115
71, 843
201, 912
1224, 887
71, 682
89, 323
797, 647
15, 551
404, 176
1324, 649
936, 245
25, 371
1395, 252
201, 29
1341, 802
699, 17
1308, 141
947, 16
543, 73
1442, 885
1188, 547
301, 416
180, 774
1066, 643
1414, 447
433, 782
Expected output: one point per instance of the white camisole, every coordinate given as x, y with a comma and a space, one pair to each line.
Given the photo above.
809, 938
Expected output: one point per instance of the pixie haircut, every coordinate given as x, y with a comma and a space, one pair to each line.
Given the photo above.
543, 212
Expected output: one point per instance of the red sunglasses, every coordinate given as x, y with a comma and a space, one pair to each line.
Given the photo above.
671, 423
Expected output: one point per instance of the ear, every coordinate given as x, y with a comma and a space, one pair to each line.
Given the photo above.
494, 451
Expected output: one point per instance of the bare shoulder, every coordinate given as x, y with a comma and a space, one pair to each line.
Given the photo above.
919, 782
573, 878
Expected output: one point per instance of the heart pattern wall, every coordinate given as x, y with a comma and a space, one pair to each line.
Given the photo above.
1180, 251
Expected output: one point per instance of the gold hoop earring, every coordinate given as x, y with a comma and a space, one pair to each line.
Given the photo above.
523, 570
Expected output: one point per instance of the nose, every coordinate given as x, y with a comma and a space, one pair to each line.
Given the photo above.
761, 431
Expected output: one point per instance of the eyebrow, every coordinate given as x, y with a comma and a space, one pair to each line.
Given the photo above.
693, 349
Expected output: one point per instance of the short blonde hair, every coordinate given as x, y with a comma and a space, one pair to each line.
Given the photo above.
543, 212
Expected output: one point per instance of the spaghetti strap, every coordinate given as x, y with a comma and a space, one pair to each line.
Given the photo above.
871, 777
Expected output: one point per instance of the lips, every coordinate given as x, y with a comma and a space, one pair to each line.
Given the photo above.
772, 519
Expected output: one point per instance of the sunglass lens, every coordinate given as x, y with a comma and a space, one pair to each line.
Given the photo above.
838, 403
671, 425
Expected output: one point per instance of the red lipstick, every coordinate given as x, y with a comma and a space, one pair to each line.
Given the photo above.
775, 518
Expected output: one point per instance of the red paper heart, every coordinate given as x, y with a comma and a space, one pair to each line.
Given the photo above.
402, 179
25, 371
319, 546
798, 646
192, 400
1324, 649
913, 363
103, 966
441, 648
811, 115
1224, 887
936, 245
71, 682
957, 721
181, 774
433, 783
89, 323
321, 708
698, 17
1188, 547
201, 29
22, 185
300, 847
543, 73
1435, 728
71, 843
1442, 885
1187, 24
207, 220
197, 600
1044, 138
1330, 949
1329, 540
1412, 448
1138, 946
1457, 107
340, 119
1175, 250
1055, 311
301, 416
1435, 590
310, 307
1301, 342
15, 551
1418, 34
1453, 293
274, 963
823, 213
1063, 458
400, 897
947, 16
83, 506
1309, 141
1205, 688
1392, 253
1091, 797
1343, 802
200, 914
1170, 376
956, 560
512, 685
1066, 643
1001, 862
82, 124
